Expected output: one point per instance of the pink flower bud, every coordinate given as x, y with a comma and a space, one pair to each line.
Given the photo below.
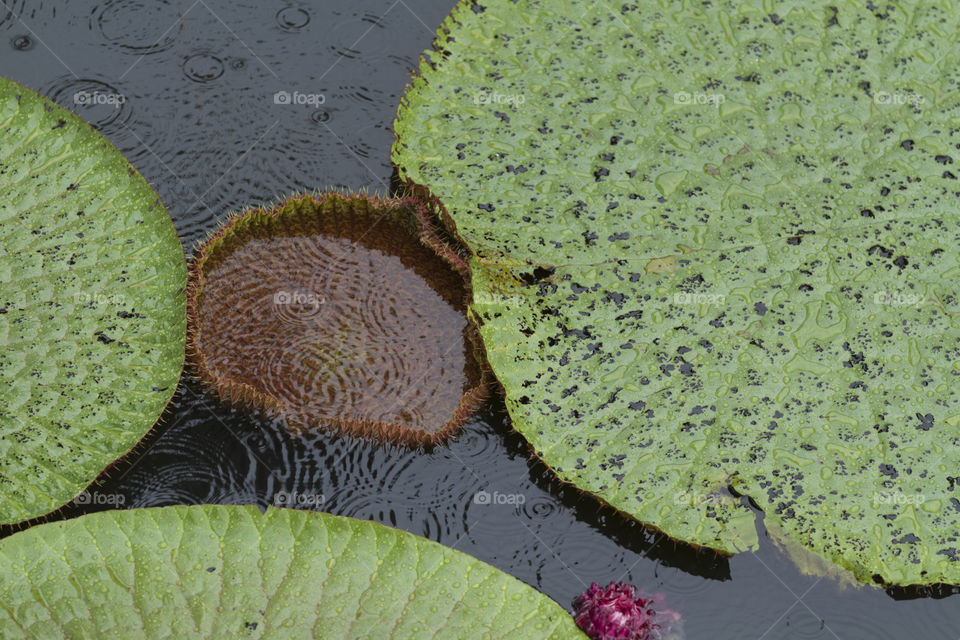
619, 612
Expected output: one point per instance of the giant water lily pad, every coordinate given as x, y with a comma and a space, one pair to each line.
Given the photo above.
92, 319
232, 572
338, 312
716, 255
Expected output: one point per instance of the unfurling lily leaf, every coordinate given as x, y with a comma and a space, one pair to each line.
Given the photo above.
341, 312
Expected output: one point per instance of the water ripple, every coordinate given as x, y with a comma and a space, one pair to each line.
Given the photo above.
135, 27
98, 102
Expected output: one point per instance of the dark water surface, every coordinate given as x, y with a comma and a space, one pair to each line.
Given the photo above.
199, 118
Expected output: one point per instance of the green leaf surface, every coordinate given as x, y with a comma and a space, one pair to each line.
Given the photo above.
232, 572
92, 310
716, 247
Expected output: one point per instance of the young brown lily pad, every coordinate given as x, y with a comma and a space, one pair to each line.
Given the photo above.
339, 312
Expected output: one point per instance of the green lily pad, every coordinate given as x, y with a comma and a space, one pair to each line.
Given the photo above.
232, 572
715, 254
92, 309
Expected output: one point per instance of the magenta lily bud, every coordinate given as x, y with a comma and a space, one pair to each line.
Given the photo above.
619, 612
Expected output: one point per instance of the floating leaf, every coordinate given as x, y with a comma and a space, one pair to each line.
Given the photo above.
716, 255
232, 572
92, 320
344, 312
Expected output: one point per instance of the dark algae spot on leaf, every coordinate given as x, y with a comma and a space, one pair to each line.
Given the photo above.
792, 248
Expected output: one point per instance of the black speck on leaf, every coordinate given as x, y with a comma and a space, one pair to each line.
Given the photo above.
926, 421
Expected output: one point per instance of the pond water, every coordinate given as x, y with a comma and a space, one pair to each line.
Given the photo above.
225, 104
